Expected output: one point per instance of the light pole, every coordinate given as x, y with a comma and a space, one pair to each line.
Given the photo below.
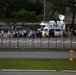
44, 10
74, 2
73, 17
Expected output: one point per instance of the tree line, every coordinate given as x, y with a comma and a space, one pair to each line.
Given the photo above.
21, 10
32, 11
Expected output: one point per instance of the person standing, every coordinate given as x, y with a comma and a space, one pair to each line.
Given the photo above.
9, 33
2, 33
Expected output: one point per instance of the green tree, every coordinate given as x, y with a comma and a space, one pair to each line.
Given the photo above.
60, 5
39, 17
73, 12
38, 7
24, 15
3, 8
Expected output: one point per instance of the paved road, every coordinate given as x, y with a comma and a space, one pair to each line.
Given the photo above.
22, 54
36, 73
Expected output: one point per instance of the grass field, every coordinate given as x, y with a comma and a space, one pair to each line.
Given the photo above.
37, 64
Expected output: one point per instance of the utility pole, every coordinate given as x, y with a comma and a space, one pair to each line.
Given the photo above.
73, 17
44, 10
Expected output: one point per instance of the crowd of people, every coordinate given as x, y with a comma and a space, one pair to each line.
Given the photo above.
21, 33
29, 33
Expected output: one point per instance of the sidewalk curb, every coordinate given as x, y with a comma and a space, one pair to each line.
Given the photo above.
28, 70
19, 70
68, 70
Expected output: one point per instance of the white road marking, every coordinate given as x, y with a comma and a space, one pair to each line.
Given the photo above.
56, 41
6, 41
37, 41
18, 70
73, 42
66, 42
21, 41
28, 41
5, 70
13, 41
44, 41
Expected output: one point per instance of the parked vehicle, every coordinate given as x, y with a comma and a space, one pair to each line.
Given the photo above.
53, 28
53, 31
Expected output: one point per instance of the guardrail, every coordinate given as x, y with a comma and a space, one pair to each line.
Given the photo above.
48, 42
21, 23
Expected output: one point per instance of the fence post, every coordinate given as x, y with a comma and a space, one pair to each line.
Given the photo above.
41, 41
25, 42
71, 41
17, 42
33, 41
63, 42
56, 42
2, 41
48, 42
9, 41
